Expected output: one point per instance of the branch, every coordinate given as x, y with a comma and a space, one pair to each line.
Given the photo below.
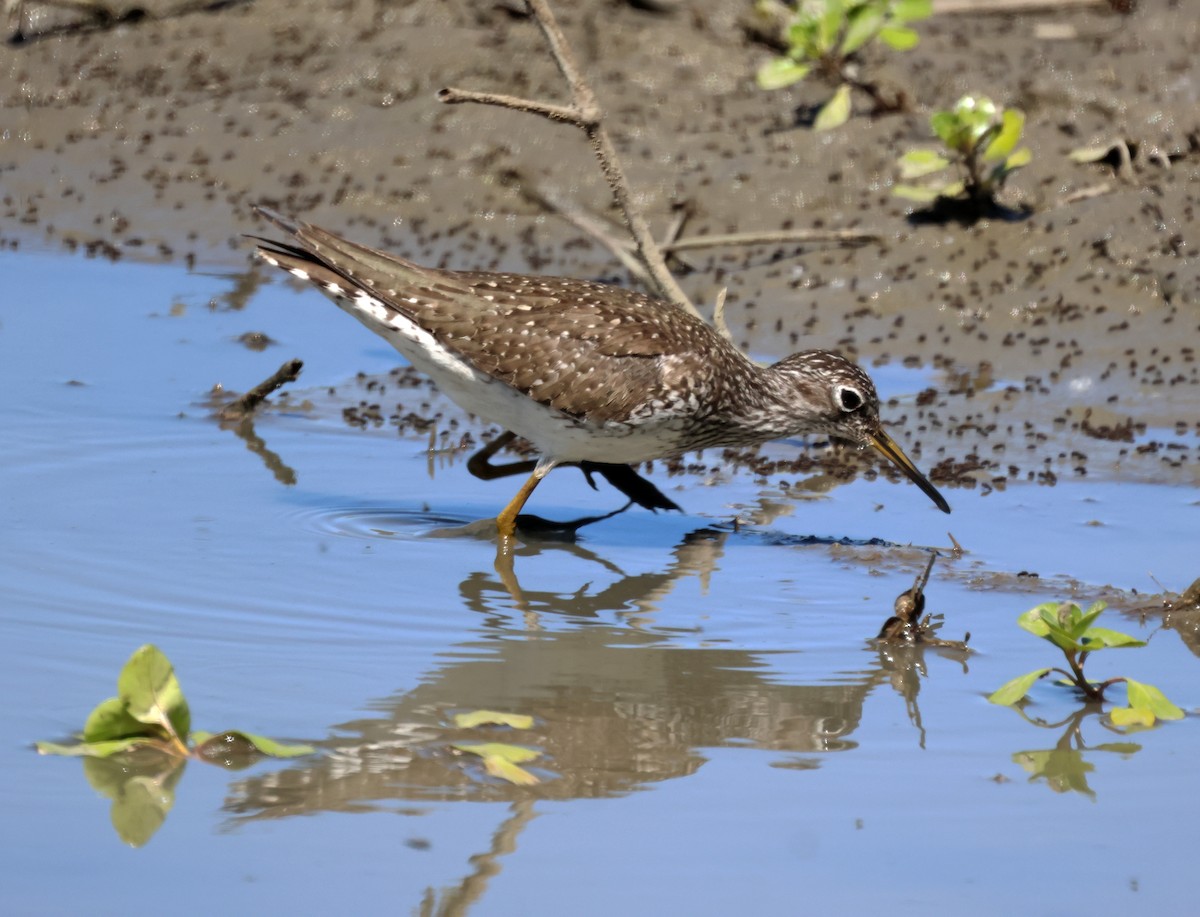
568, 114
771, 237
585, 113
246, 404
595, 226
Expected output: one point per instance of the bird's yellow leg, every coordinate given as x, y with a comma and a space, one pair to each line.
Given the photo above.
506, 522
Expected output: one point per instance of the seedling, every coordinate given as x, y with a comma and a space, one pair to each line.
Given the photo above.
1071, 629
135, 746
150, 713
825, 39
980, 140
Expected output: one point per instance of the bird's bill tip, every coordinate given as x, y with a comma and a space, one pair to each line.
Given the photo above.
894, 454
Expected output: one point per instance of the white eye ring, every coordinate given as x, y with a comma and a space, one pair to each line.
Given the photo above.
849, 399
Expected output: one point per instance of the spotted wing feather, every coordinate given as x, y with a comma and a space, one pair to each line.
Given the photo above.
584, 348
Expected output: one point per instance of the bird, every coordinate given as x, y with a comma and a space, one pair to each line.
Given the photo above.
585, 371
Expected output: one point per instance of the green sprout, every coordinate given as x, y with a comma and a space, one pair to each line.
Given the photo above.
135, 746
150, 713
981, 139
825, 38
1071, 629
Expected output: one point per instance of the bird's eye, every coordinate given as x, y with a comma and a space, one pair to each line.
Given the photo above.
849, 399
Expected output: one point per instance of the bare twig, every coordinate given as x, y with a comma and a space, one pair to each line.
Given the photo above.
568, 114
718, 319
1008, 6
772, 237
246, 404
585, 113
1083, 194
596, 227
683, 213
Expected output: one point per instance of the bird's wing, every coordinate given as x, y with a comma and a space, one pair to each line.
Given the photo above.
581, 347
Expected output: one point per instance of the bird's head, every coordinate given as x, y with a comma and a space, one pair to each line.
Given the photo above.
841, 401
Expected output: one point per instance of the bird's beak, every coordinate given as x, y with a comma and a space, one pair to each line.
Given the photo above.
886, 445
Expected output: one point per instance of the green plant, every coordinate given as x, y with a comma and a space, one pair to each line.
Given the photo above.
150, 713
1072, 630
825, 37
981, 140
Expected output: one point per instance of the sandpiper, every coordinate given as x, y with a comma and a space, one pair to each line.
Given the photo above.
585, 371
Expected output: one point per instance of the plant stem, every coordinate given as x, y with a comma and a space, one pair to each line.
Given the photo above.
1094, 692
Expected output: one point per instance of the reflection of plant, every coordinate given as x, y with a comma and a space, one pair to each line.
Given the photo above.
135, 746
150, 713
500, 759
1064, 768
981, 140
824, 38
1070, 628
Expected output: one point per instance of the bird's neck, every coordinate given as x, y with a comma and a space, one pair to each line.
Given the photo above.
760, 406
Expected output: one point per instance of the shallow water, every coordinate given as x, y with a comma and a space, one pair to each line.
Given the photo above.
714, 715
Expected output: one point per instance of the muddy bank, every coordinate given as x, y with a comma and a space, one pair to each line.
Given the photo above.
1061, 344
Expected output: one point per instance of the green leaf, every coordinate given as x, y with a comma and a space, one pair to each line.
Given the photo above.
111, 720
1054, 623
781, 72
1089, 154
1019, 159
506, 770
975, 110
835, 112
1058, 616
1131, 716
1032, 620
1080, 621
105, 749
802, 39
515, 754
911, 10
951, 190
899, 37
947, 128
1011, 692
1142, 696
919, 193
1012, 122
1097, 638
234, 747
864, 23
151, 693
916, 163
1063, 640
492, 718
829, 24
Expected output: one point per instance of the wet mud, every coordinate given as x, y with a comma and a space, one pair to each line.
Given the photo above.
1061, 343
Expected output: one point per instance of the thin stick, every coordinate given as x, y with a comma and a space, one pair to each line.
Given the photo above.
718, 319
1083, 194
772, 237
594, 226
683, 213
568, 114
1004, 6
585, 113
246, 404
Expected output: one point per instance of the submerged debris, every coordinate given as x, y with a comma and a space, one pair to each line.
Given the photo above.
907, 626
